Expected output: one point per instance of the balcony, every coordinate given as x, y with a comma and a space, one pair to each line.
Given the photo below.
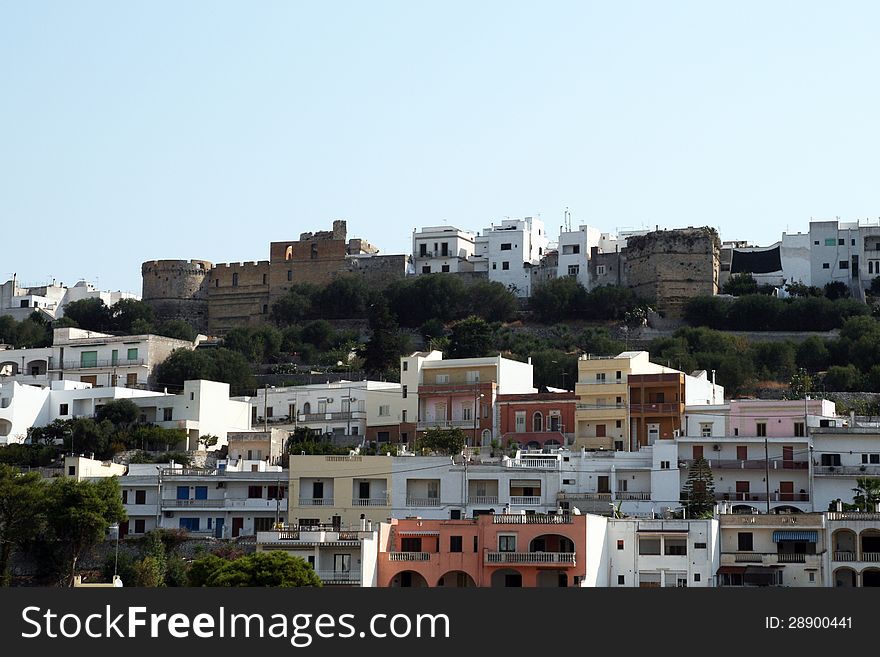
599, 407
369, 501
773, 558
335, 415
531, 519
586, 497
529, 558
253, 504
423, 501
751, 464
847, 470
632, 495
316, 501
762, 497
525, 500
409, 556
338, 577
840, 555
105, 362
534, 463
446, 424
482, 499
656, 409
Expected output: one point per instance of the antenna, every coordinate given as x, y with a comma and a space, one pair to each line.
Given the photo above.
567, 219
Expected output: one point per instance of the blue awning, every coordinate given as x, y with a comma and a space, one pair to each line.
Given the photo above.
808, 536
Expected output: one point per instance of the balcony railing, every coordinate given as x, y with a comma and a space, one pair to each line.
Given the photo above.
525, 500
853, 515
105, 362
482, 499
791, 557
762, 497
316, 501
331, 415
254, 503
369, 501
656, 409
748, 557
422, 501
567, 558
631, 495
847, 470
409, 556
843, 555
873, 557
531, 519
752, 464
772, 558
534, 464
338, 577
599, 407
587, 497
461, 424
195, 504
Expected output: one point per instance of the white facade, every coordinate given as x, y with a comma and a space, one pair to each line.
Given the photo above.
574, 253
20, 300
794, 251
845, 252
840, 457
442, 249
510, 251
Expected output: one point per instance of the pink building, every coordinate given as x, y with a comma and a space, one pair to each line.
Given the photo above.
490, 550
536, 419
776, 418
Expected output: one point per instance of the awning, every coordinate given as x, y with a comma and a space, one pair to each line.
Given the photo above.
731, 570
789, 535
525, 483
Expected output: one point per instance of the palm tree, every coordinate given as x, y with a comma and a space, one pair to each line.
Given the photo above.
867, 493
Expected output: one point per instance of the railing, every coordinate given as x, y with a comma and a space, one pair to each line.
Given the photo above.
316, 501
790, 557
482, 499
189, 472
873, 557
603, 382
462, 424
341, 459
842, 555
338, 577
752, 464
847, 470
422, 501
331, 415
531, 519
288, 535
226, 502
534, 464
597, 407
530, 558
853, 515
631, 495
748, 557
193, 503
587, 497
104, 362
525, 500
648, 409
762, 497
369, 501
409, 556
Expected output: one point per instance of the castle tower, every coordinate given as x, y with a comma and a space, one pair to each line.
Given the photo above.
177, 289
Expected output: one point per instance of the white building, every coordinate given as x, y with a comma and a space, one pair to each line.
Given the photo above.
845, 252
19, 301
574, 253
339, 557
442, 249
509, 252
203, 408
651, 553
841, 455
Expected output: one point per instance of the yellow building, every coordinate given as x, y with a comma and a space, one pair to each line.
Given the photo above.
339, 490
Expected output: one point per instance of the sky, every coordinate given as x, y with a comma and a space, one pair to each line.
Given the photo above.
141, 130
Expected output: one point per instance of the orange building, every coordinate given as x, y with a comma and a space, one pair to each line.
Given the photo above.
656, 406
535, 420
507, 550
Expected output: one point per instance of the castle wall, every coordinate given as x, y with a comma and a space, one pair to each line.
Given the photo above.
238, 295
177, 289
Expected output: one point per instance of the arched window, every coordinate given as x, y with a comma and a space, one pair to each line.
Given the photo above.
307, 408
537, 422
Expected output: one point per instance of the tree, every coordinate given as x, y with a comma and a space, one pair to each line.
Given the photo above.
210, 364
492, 301
276, 569
698, 493
843, 378
740, 285
800, 385
295, 306
344, 297
177, 329
126, 314
21, 500
443, 442
706, 311
610, 302
417, 300
867, 493
90, 314
836, 290
120, 412
386, 344
78, 515
473, 337
558, 299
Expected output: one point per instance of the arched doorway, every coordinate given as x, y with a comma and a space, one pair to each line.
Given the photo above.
5, 427
871, 577
307, 408
553, 543
537, 422
408, 579
845, 578
456, 579
844, 545
506, 578
870, 544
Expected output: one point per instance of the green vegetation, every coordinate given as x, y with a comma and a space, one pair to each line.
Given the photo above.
277, 569
758, 312
698, 493
443, 442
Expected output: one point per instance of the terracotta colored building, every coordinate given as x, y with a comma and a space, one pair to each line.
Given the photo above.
537, 420
515, 550
656, 406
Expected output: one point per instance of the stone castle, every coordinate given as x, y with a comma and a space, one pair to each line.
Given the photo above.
215, 298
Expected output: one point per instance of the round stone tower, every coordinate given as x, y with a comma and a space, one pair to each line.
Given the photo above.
178, 289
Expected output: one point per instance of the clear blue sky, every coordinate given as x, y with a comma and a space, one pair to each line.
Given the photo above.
132, 131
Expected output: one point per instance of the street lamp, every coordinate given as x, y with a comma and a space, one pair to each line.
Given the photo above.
476, 411
114, 529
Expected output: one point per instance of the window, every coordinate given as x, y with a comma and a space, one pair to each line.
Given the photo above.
621, 580
697, 452
506, 247
664, 465
189, 524
442, 378
405, 365
131, 379
761, 429
277, 492
255, 492
183, 492
812, 577
494, 265
742, 452
265, 309
466, 413
140, 497
473, 376
507, 543
505, 265
455, 543
410, 544
265, 279
843, 264
63, 409
744, 542
705, 429
403, 392
866, 459
834, 459
841, 242
696, 577
71, 471
444, 269
826, 265
88, 359
619, 545
799, 429
699, 546
816, 242
426, 269
423, 249
289, 274
675, 547
649, 546
403, 415
132, 353
139, 526
852, 242
520, 422
618, 424
125, 497
235, 279
600, 270
342, 563
167, 414
568, 482
384, 410
574, 270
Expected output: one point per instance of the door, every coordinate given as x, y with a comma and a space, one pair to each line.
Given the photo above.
697, 452
604, 487
364, 490
742, 491
600, 431
787, 456
237, 526
653, 433
218, 527
742, 452
341, 563
786, 491
318, 490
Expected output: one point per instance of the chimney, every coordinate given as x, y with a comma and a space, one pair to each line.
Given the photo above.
838, 506
369, 525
